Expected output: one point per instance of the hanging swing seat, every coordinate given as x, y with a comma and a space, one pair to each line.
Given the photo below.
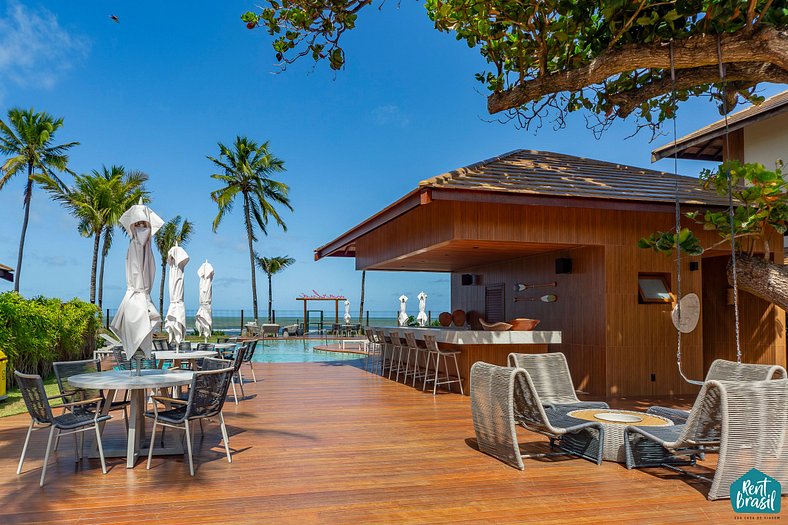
722, 370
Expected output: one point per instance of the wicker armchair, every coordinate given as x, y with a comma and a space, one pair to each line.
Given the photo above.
238, 359
552, 380
748, 420
722, 370
249, 360
206, 400
81, 416
503, 397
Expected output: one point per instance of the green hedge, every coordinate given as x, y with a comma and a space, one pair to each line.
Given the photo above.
35, 332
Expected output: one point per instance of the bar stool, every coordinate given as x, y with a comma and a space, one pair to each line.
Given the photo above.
396, 354
437, 353
385, 361
413, 347
373, 351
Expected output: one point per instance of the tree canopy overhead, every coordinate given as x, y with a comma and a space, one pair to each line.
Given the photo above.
551, 57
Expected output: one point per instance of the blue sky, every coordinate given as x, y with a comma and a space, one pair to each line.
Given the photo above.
157, 91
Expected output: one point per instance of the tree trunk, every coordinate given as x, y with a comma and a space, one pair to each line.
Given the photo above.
28, 196
761, 278
250, 237
94, 266
270, 298
361, 302
161, 287
104, 251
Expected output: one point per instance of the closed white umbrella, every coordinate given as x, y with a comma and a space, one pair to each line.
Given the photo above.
175, 322
422, 317
347, 312
203, 320
402, 318
137, 318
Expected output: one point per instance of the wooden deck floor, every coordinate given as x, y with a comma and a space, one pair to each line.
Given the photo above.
330, 443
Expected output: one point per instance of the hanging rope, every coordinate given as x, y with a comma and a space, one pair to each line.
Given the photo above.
731, 215
678, 220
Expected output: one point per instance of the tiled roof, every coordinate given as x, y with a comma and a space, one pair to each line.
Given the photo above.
700, 144
560, 175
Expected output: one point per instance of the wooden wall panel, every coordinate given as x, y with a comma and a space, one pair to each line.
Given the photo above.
762, 324
578, 313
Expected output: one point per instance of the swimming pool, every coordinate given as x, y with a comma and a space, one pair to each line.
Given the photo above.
297, 351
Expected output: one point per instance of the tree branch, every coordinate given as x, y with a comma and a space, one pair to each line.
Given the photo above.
750, 74
765, 45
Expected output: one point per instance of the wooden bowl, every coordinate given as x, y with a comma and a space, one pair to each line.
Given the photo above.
444, 319
458, 317
523, 325
495, 327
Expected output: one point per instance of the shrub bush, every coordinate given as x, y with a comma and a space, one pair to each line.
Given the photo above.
35, 332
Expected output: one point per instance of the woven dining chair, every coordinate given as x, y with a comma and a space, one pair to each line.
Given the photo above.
207, 393
80, 417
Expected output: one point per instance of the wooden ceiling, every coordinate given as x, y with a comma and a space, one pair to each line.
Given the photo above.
456, 255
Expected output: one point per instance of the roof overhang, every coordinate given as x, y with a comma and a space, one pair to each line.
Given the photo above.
344, 245
708, 142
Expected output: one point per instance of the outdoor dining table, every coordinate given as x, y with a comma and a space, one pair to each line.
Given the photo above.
112, 381
177, 357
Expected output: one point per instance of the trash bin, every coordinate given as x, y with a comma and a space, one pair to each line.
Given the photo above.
3, 367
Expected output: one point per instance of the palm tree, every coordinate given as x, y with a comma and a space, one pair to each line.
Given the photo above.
93, 201
27, 140
171, 234
271, 266
128, 190
247, 169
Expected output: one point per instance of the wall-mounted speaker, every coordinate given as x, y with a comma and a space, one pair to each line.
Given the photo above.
466, 279
563, 265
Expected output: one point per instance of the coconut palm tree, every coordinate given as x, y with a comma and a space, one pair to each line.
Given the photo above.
92, 200
247, 170
129, 189
272, 266
171, 234
27, 139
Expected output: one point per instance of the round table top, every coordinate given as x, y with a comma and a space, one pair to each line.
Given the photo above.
128, 380
183, 356
602, 415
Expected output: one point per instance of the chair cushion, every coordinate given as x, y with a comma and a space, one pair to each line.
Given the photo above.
78, 418
174, 415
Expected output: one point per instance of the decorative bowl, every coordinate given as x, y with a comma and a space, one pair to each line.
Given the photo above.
458, 317
444, 319
495, 327
523, 324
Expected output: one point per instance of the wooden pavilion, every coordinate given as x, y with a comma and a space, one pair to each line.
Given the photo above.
509, 219
320, 297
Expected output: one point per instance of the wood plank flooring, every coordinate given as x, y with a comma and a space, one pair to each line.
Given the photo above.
331, 443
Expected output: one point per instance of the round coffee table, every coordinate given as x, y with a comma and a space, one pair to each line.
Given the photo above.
615, 422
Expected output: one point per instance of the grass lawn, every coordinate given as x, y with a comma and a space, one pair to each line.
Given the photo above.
15, 405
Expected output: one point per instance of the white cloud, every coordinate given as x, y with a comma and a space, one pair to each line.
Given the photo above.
34, 49
390, 115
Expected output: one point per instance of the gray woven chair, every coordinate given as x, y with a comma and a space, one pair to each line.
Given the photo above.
238, 359
65, 369
722, 370
552, 380
249, 360
748, 420
503, 397
206, 399
79, 418
122, 363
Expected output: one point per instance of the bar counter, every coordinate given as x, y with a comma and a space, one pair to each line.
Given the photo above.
475, 345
